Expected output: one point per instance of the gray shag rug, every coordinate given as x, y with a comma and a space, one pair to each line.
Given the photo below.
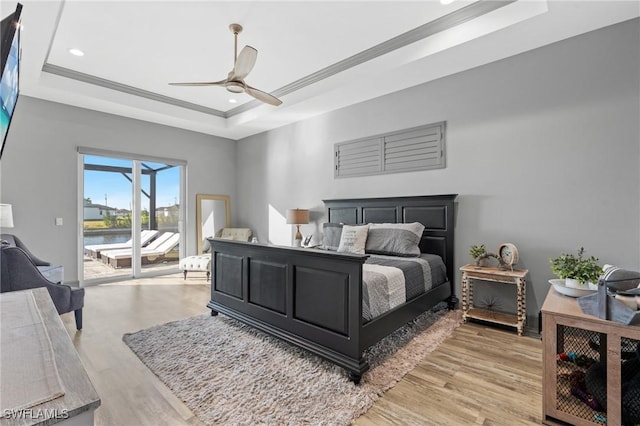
229, 373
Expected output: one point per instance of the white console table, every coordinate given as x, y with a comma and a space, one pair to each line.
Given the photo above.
80, 400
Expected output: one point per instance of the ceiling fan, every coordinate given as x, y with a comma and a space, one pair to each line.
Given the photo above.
242, 65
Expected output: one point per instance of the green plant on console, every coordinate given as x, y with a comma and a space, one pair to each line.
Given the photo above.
581, 268
477, 251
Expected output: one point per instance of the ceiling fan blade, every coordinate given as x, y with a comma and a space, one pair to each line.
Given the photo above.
262, 96
244, 64
204, 83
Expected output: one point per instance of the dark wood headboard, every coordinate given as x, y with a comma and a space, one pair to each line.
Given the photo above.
435, 212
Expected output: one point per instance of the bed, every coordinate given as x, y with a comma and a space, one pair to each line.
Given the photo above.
314, 298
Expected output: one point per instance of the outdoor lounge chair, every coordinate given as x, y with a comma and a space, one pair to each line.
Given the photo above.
94, 250
105, 254
149, 254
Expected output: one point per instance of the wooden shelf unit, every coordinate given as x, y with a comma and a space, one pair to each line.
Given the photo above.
497, 317
493, 274
563, 326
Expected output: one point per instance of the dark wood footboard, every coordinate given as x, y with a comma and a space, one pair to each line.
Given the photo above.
311, 298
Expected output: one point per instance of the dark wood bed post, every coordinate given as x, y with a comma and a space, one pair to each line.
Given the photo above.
313, 298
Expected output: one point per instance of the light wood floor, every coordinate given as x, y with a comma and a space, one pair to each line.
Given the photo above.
479, 375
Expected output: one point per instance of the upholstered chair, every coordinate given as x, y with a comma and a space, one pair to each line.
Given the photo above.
19, 272
239, 234
12, 240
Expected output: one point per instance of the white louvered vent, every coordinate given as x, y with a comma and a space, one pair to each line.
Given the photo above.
419, 148
358, 158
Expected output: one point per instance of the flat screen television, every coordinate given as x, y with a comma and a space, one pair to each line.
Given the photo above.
10, 80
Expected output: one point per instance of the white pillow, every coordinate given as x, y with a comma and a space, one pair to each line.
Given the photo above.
353, 239
206, 246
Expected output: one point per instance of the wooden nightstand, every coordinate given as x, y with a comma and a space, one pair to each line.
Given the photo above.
493, 274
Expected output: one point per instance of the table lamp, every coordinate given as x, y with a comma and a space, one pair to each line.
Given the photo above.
6, 216
297, 217
6, 219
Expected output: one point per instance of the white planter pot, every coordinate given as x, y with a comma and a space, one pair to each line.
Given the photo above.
571, 283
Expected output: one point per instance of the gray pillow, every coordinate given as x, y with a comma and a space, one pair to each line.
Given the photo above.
331, 233
619, 279
395, 239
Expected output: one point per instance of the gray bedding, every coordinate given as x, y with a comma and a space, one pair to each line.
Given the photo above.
390, 281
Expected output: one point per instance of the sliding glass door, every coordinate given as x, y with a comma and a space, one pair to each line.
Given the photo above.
106, 221
131, 216
159, 196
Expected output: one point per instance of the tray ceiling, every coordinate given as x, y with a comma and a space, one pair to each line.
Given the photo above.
315, 56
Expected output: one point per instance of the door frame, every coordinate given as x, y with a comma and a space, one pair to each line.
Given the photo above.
136, 267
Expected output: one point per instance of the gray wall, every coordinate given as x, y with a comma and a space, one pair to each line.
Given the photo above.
543, 149
39, 169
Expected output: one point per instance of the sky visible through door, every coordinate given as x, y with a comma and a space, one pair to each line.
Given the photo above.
114, 190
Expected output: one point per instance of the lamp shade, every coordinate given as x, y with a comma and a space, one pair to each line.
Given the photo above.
6, 216
297, 216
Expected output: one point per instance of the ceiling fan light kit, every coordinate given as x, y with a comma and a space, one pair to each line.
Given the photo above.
242, 66
235, 87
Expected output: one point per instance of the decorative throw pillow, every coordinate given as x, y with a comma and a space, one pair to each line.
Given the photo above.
331, 233
206, 246
396, 239
353, 239
619, 279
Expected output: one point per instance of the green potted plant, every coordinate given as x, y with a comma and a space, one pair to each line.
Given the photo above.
476, 251
577, 271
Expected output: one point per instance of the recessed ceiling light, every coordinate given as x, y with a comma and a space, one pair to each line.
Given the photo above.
76, 52
232, 101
